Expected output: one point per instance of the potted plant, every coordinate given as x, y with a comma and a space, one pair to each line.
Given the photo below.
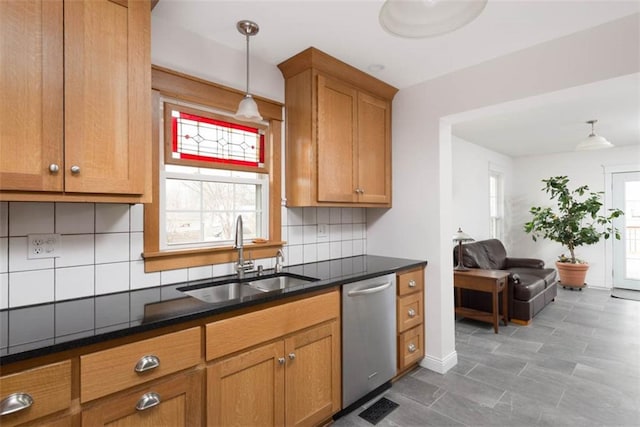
575, 222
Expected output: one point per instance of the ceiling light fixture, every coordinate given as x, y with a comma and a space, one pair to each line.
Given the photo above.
593, 141
428, 18
248, 109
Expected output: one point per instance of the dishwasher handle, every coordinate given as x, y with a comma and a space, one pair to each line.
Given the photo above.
368, 291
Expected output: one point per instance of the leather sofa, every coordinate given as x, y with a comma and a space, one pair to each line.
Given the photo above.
531, 286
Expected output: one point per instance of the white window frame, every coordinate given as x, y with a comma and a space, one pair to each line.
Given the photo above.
496, 222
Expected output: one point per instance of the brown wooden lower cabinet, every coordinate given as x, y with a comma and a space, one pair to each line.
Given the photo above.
293, 382
173, 403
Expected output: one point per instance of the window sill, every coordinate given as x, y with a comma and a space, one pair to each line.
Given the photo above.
184, 258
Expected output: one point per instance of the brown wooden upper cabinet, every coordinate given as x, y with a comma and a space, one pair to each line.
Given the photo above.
338, 133
75, 120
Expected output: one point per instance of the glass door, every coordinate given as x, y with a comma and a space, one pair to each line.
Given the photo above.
626, 251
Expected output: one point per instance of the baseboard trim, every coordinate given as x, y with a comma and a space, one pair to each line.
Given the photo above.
440, 366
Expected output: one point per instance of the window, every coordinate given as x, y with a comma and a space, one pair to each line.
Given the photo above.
496, 205
208, 169
200, 201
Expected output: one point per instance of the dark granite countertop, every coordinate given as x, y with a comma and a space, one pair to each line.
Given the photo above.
43, 329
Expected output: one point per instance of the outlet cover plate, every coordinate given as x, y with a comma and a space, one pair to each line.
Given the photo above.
43, 246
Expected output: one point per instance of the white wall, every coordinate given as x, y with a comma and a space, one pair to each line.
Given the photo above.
471, 166
421, 223
582, 168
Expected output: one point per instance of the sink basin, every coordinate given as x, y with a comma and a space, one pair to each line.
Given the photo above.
246, 289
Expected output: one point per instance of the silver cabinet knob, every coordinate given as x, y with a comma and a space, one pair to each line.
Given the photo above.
54, 168
148, 400
292, 356
411, 312
412, 348
281, 360
412, 283
147, 363
14, 403
75, 169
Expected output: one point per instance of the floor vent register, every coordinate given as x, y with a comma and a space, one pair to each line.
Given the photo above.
376, 412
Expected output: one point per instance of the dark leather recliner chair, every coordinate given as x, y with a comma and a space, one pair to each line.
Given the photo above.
531, 286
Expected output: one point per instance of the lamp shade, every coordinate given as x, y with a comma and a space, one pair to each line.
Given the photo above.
593, 142
428, 18
248, 110
461, 236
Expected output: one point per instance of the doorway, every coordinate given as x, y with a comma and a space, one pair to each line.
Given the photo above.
626, 251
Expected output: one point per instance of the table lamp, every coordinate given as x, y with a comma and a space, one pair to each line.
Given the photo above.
460, 237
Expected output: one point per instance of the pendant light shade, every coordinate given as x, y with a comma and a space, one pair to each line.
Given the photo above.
593, 141
428, 18
248, 109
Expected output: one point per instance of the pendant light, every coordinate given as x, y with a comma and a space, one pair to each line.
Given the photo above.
248, 109
428, 18
593, 141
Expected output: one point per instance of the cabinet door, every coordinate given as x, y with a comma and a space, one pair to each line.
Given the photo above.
374, 150
180, 404
107, 96
31, 84
313, 381
247, 389
337, 104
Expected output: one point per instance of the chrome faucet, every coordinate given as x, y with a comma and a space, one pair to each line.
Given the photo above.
238, 244
279, 259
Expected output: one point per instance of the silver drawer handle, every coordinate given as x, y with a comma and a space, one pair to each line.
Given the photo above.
369, 290
148, 400
412, 348
412, 283
146, 363
281, 360
411, 312
15, 402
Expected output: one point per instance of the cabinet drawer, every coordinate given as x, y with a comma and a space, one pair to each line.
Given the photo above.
410, 347
111, 370
237, 333
410, 311
410, 281
49, 387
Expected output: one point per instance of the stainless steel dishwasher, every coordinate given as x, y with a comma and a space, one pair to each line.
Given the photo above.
368, 336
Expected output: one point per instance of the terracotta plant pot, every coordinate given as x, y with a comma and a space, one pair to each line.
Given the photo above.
572, 275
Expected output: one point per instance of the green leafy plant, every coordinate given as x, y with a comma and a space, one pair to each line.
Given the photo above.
576, 220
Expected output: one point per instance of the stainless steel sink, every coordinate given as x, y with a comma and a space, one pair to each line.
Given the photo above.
245, 289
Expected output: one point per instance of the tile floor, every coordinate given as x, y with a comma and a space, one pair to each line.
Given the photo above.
577, 364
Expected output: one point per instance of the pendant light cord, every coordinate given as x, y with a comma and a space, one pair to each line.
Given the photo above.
247, 36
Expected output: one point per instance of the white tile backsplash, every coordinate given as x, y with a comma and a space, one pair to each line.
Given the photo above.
102, 246
75, 218
31, 287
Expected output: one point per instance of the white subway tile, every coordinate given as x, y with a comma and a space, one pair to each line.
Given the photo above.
137, 246
112, 247
30, 218
113, 277
222, 269
335, 250
75, 218
296, 235
76, 249
309, 216
31, 287
310, 233
358, 247
266, 263
284, 233
4, 291
295, 255
173, 276
347, 215
197, 273
310, 253
358, 231
324, 251
323, 216
4, 255
4, 219
295, 216
335, 215
112, 218
18, 257
347, 231
75, 282
358, 215
335, 232
137, 217
140, 279
284, 217
347, 248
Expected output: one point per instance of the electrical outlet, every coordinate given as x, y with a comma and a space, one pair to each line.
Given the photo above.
43, 246
323, 231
